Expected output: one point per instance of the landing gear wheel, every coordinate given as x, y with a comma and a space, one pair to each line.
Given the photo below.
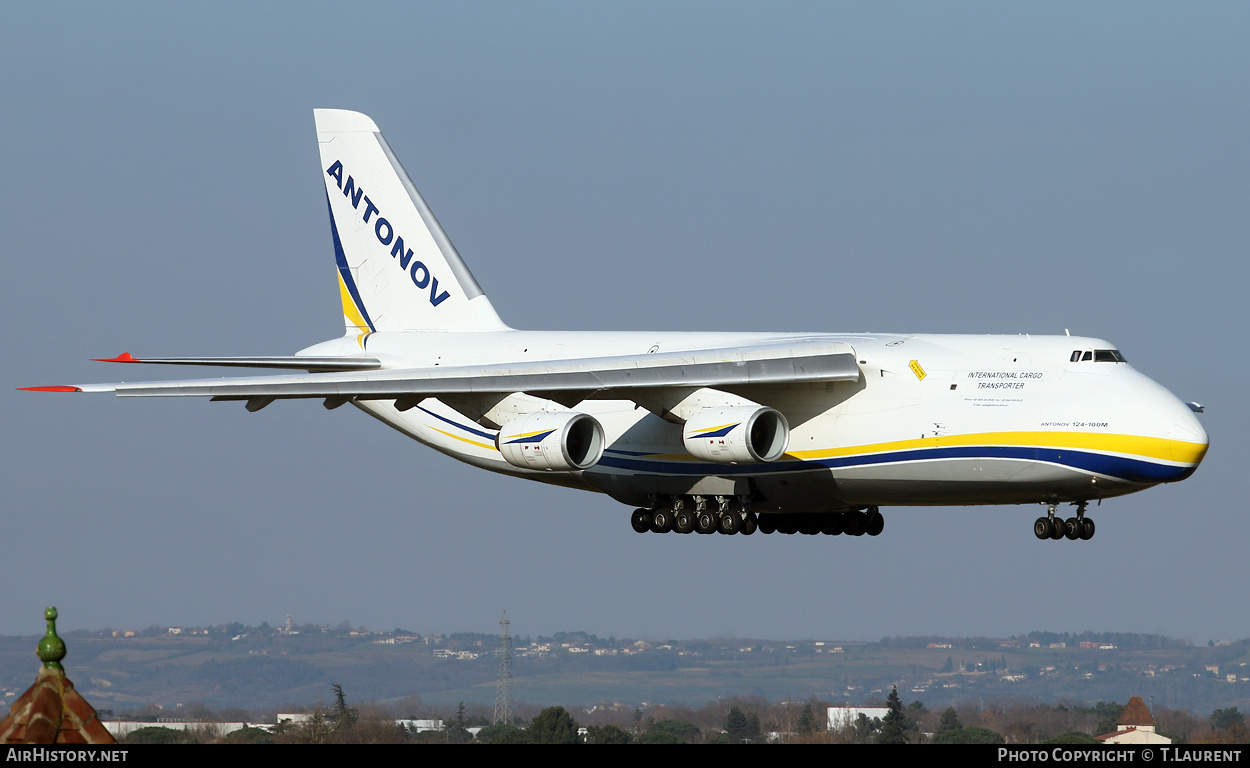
1072, 528
1087, 529
831, 524
1041, 528
749, 524
809, 525
730, 523
706, 521
661, 521
875, 523
787, 524
683, 521
1058, 529
641, 520
767, 523
853, 523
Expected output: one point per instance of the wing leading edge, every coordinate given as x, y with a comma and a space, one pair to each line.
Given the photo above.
795, 362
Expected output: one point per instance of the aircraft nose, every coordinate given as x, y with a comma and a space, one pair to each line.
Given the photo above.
1187, 439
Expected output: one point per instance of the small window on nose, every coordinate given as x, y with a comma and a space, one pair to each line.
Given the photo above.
1076, 356
1085, 358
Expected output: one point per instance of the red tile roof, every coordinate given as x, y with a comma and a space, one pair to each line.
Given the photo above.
51, 711
1135, 713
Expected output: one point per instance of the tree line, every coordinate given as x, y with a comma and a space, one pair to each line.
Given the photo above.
738, 720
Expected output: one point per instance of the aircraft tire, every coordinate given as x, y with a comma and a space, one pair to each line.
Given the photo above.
1072, 528
1041, 528
1087, 529
875, 523
831, 524
706, 522
767, 524
641, 520
853, 523
661, 521
1058, 529
809, 525
730, 523
750, 524
683, 521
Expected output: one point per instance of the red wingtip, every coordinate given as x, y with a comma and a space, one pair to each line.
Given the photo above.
122, 358
49, 389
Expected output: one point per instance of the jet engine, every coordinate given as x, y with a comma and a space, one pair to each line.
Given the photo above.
745, 434
551, 440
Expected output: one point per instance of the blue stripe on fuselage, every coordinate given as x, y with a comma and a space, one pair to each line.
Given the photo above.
1119, 467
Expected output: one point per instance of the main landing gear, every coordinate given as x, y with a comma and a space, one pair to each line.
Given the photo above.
697, 514
851, 522
730, 515
1056, 528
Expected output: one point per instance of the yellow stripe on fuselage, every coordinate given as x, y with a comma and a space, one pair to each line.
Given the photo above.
1133, 445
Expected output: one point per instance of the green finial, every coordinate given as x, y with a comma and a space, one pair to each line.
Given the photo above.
51, 649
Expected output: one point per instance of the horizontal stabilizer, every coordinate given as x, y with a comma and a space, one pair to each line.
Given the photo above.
288, 362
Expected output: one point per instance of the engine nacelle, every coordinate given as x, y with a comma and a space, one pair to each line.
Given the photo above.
745, 434
551, 440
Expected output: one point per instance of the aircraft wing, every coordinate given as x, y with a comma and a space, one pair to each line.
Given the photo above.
785, 362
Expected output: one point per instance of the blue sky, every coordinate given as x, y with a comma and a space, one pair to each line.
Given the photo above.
960, 167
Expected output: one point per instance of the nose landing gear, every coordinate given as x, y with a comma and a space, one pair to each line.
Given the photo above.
1056, 528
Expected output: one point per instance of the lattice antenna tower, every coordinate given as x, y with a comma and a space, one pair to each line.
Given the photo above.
503, 694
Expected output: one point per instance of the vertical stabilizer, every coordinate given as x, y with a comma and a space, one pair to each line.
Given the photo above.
398, 271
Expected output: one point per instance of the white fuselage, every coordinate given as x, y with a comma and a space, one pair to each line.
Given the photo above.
932, 420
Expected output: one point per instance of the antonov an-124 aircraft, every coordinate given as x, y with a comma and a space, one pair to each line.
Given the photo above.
703, 432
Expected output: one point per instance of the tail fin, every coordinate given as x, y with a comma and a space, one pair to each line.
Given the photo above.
397, 268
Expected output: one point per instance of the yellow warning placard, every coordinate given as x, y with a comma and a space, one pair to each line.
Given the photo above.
914, 365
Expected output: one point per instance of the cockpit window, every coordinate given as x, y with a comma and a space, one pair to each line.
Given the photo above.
1097, 356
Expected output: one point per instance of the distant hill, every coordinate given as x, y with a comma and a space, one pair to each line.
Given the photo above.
264, 668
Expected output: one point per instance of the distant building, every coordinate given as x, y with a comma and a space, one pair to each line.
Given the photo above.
122, 728
294, 718
421, 726
1135, 726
